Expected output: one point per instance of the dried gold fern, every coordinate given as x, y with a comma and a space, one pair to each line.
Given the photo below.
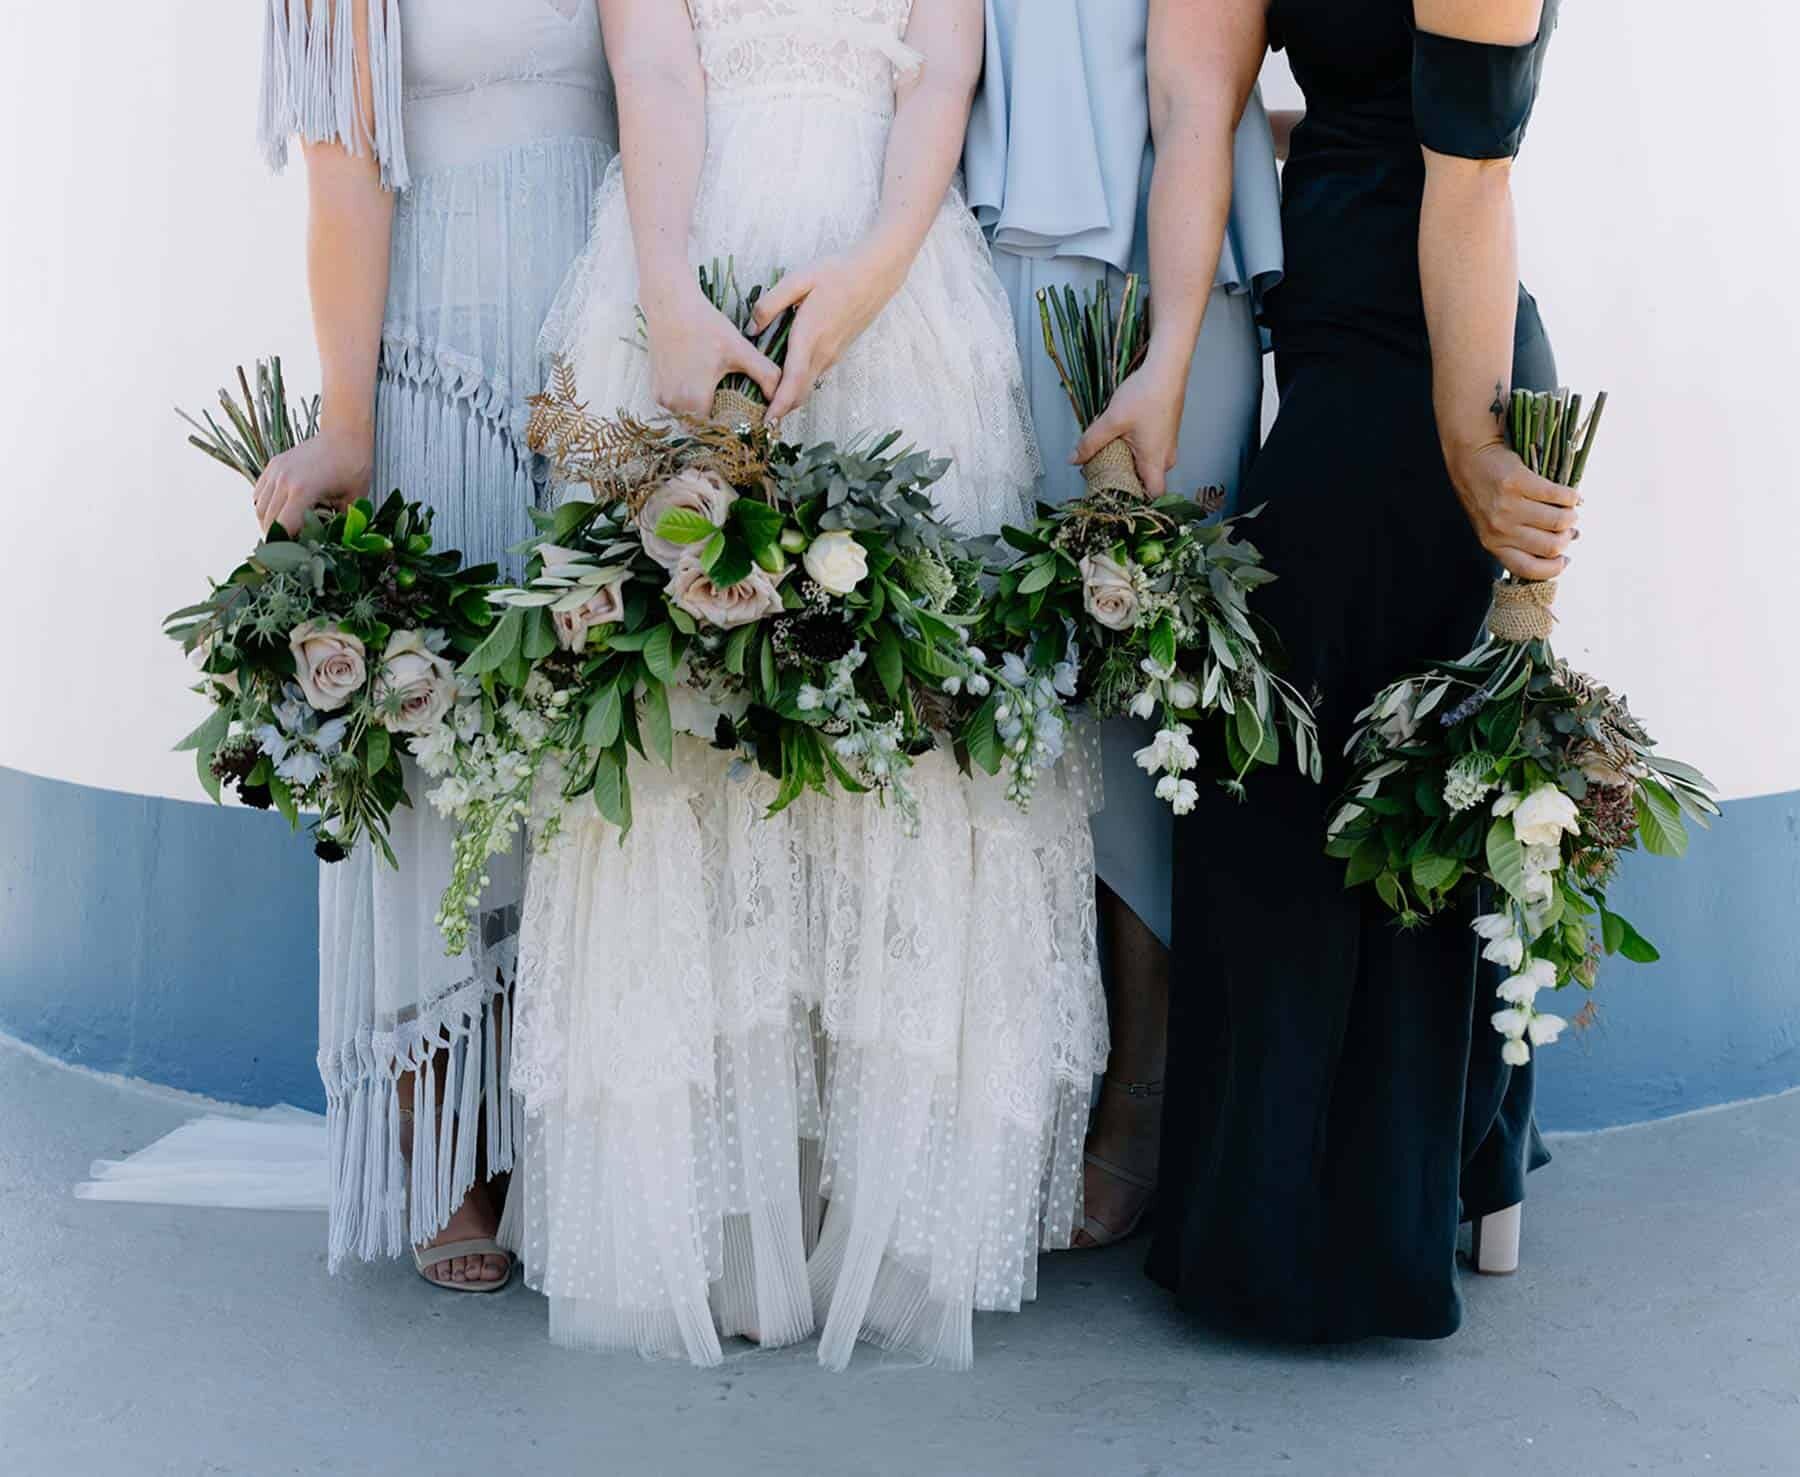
622, 459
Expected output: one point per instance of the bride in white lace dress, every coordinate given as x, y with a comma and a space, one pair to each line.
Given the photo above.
806, 1072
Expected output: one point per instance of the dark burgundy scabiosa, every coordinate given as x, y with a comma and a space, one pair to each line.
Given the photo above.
235, 759
328, 850
257, 797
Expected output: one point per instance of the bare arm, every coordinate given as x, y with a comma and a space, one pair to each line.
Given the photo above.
1203, 63
1282, 123
661, 92
349, 229
840, 297
1469, 274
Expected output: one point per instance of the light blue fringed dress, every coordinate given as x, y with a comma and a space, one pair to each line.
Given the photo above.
1058, 171
494, 125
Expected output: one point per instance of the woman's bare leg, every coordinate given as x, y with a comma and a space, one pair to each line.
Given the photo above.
1127, 1126
477, 1218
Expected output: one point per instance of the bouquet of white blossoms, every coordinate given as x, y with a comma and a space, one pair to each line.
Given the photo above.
326, 653
1511, 774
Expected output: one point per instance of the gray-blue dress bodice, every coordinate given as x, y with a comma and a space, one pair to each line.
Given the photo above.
494, 124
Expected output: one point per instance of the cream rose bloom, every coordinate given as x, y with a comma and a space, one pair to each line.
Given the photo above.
698, 492
836, 563
1544, 816
1108, 593
330, 665
415, 688
604, 607
749, 600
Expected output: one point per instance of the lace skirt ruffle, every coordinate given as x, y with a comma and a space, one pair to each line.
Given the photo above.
730, 1028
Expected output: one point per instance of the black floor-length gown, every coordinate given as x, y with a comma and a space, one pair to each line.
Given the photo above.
1336, 1097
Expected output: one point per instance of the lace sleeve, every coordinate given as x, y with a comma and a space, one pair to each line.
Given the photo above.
314, 74
1473, 100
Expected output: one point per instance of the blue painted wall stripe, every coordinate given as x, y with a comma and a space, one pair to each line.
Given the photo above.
165, 940
178, 942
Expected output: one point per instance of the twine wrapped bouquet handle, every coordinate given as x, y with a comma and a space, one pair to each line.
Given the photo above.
733, 408
1112, 469
1523, 611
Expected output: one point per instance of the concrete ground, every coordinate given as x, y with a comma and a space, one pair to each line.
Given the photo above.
1655, 1328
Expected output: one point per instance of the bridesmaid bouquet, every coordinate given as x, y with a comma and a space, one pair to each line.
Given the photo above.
1512, 770
1150, 598
801, 607
327, 654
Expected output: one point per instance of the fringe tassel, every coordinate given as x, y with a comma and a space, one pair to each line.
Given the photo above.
312, 76
449, 445
371, 1187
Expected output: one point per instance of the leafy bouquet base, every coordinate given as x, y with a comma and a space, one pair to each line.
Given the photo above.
1508, 770
326, 654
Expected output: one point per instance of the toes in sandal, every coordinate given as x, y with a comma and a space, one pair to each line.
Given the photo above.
427, 1257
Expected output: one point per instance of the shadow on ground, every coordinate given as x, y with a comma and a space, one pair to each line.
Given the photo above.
1655, 1328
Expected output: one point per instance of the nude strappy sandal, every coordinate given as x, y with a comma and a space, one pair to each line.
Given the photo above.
427, 1257
1098, 1233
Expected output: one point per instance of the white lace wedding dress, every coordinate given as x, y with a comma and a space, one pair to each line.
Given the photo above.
808, 1071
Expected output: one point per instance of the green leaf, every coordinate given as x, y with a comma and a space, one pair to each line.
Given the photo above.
356, 521
685, 526
737, 647
1433, 873
661, 654
658, 730
1039, 575
981, 737
1659, 821
760, 523
1367, 863
499, 647
600, 730
284, 799
205, 739
890, 663
1619, 937
713, 551
1506, 858
612, 790
379, 747
770, 680
540, 635
208, 780
1162, 644
733, 564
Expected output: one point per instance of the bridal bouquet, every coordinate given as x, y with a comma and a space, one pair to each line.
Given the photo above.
1510, 769
802, 607
326, 654
1157, 592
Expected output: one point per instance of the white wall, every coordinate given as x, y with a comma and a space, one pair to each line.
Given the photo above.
143, 253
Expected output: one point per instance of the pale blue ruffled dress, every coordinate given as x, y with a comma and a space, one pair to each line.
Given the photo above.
1058, 171
494, 126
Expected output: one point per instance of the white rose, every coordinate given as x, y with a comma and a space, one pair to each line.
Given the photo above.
1544, 816
1108, 592
749, 600
836, 563
603, 607
415, 688
329, 664
697, 492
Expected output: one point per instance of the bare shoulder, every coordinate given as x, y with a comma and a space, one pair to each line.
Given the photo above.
1497, 22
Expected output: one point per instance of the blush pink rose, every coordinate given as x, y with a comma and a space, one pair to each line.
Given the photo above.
751, 599
330, 665
696, 492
